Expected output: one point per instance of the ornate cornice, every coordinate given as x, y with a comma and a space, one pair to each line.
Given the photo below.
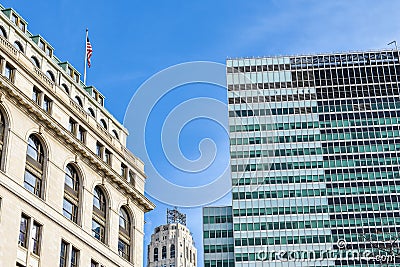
54, 128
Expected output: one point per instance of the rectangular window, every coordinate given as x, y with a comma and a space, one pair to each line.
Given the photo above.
99, 150
124, 170
123, 249
98, 231
76, 77
63, 254
72, 126
107, 157
81, 134
33, 183
94, 264
41, 45
35, 235
22, 26
9, 72
74, 257
70, 210
14, 19
48, 51
23, 231
36, 95
47, 104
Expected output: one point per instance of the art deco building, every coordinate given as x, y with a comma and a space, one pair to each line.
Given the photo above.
315, 144
71, 194
172, 244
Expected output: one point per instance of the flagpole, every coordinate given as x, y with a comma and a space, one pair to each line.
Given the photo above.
84, 72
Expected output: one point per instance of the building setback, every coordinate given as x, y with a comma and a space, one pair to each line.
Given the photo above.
172, 244
71, 194
314, 156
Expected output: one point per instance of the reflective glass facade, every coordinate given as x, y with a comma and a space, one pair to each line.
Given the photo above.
218, 237
315, 157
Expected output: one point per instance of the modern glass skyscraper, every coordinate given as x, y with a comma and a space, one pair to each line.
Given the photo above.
315, 158
218, 237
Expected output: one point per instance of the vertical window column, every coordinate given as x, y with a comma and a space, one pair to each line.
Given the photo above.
30, 233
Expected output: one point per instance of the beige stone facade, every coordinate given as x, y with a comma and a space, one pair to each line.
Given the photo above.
71, 194
171, 245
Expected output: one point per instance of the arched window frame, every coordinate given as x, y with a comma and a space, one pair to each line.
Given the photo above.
3, 32
91, 112
125, 233
99, 216
19, 46
114, 132
3, 136
65, 87
35, 165
35, 61
79, 101
164, 252
103, 123
72, 193
51, 75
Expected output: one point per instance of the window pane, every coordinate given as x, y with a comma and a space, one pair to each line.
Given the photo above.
32, 183
36, 238
123, 249
63, 254
97, 231
74, 257
69, 209
23, 231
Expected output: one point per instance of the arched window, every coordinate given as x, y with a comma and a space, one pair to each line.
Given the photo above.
50, 75
115, 134
19, 46
71, 193
2, 136
172, 251
3, 32
124, 240
155, 252
99, 217
33, 180
103, 124
65, 87
164, 252
78, 100
35, 61
91, 112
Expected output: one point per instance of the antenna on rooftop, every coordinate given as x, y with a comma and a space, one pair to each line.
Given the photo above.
174, 216
393, 42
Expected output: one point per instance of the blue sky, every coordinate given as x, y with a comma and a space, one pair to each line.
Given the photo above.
133, 40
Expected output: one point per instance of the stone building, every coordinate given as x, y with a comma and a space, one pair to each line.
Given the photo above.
71, 194
172, 244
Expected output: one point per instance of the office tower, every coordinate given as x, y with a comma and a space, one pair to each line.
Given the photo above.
172, 244
218, 236
71, 194
314, 157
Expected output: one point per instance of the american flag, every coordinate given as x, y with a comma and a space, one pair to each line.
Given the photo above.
89, 51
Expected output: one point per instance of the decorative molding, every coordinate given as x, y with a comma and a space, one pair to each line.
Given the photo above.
65, 137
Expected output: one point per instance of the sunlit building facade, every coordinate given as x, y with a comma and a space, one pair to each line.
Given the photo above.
314, 157
172, 245
71, 194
